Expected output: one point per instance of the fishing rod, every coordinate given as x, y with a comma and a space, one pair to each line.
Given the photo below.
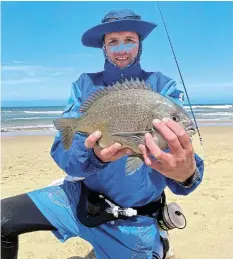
182, 80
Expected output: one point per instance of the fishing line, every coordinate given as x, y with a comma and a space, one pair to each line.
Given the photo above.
182, 80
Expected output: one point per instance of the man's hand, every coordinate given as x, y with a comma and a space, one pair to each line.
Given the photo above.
179, 164
108, 154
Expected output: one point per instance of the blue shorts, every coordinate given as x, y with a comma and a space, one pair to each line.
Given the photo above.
124, 239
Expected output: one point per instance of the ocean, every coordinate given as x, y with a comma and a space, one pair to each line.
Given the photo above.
39, 120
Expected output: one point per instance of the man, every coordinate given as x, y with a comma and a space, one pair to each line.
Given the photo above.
58, 208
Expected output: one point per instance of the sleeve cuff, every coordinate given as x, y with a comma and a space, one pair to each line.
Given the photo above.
95, 163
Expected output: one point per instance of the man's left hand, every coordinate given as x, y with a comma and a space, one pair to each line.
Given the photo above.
179, 164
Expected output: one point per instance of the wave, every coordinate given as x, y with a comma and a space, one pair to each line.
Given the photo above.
33, 112
28, 118
215, 113
29, 127
43, 112
226, 106
215, 119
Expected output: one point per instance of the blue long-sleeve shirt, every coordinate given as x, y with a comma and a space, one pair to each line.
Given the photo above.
109, 178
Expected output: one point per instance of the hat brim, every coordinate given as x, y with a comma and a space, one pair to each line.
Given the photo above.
94, 36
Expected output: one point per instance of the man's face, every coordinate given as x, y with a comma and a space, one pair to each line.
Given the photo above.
122, 47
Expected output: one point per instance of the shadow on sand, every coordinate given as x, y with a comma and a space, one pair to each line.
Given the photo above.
91, 255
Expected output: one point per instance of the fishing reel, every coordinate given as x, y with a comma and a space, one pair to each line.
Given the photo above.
170, 216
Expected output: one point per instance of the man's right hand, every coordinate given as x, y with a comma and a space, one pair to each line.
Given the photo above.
109, 154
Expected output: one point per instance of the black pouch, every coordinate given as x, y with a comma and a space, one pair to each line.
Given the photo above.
91, 209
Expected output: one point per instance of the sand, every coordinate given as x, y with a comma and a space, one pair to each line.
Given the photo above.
27, 165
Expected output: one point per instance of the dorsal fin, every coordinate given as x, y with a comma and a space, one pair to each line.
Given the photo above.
124, 86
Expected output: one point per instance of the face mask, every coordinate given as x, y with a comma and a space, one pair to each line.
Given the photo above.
123, 47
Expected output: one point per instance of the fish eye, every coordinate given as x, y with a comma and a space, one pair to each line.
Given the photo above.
175, 117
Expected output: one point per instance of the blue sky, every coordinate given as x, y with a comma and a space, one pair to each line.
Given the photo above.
42, 52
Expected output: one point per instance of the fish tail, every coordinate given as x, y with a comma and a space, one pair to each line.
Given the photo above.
67, 130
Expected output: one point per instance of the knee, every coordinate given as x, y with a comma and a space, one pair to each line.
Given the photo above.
9, 241
6, 216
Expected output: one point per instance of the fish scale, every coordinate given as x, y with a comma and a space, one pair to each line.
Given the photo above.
124, 113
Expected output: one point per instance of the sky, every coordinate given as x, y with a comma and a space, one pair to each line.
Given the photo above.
42, 53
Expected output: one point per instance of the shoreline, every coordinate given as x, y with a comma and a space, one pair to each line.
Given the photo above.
49, 131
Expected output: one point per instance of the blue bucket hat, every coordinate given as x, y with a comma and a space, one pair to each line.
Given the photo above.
116, 21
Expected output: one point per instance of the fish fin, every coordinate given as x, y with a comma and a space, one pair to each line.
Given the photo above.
98, 143
135, 161
65, 126
132, 134
128, 139
132, 164
124, 85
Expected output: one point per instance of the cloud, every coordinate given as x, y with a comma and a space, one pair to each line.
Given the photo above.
31, 82
22, 81
26, 61
21, 68
25, 74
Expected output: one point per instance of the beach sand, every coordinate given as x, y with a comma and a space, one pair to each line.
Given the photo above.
27, 165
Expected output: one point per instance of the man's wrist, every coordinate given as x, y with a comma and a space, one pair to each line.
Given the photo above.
95, 161
191, 180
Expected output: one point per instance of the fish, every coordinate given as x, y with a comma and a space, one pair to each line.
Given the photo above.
123, 113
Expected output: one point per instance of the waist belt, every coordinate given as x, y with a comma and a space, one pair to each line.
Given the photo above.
95, 209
